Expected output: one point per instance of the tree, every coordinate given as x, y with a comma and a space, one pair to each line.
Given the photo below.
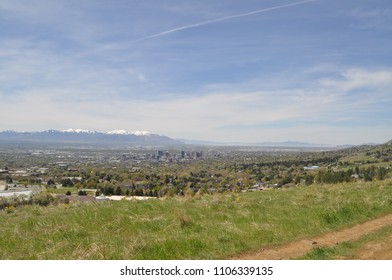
8, 180
66, 182
309, 179
82, 193
51, 182
118, 191
381, 173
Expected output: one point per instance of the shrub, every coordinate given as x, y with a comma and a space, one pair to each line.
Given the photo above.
185, 221
42, 199
13, 201
82, 192
3, 203
118, 191
66, 200
10, 209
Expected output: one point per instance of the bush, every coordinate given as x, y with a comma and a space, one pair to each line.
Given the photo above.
3, 203
185, 221
66, 200
13, 201
42, 199
66, 182
10, 209
118, 191
51, 182
82, 192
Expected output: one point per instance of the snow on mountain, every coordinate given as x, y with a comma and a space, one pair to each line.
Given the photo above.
118, 132
124, 132
78, 130
141, 133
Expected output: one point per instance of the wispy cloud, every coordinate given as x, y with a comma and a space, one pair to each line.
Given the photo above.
219, 114
29, 66
371, 19
292, 79
211, 21
359, 78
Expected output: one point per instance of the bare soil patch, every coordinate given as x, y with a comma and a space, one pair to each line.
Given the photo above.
375, 250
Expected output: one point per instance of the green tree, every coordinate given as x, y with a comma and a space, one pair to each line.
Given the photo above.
82, 193
118, 191
309, 179
51, 182
67, 182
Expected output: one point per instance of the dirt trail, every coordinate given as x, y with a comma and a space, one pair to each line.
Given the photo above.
378, 250
375, 250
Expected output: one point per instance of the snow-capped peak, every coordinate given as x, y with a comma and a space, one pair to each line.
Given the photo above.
119, 132
124, 132
141, 133
78, 130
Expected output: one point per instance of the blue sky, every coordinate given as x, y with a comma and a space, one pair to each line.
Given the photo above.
249, 71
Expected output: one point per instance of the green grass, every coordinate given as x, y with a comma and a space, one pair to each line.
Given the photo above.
207, 227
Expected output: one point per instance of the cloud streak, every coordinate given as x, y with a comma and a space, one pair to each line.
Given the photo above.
296, 114
211, 21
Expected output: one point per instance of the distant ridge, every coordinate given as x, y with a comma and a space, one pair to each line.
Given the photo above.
86, 137
261, 144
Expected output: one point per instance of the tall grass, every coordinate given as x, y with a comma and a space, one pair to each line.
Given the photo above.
205, 227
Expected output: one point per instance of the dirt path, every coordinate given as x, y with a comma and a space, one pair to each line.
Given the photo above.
377, 250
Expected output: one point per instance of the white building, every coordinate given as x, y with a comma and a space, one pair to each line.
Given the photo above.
3, 186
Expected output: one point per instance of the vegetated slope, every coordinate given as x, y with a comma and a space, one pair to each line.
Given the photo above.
202, 227
369, 153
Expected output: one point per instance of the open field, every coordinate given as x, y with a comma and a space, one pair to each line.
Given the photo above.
201, 227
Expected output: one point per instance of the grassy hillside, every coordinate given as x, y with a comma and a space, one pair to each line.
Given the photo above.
206, 227
380, 154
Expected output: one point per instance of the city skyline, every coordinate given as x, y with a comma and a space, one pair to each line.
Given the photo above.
251, 71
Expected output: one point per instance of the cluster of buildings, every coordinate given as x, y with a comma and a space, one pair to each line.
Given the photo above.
184, 155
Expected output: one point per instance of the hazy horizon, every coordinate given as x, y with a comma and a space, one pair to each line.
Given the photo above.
288, 142
228, 71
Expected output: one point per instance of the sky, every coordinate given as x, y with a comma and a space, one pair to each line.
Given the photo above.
219, 70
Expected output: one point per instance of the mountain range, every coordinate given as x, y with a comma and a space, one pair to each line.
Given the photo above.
123, 138
260, 144
71, 136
